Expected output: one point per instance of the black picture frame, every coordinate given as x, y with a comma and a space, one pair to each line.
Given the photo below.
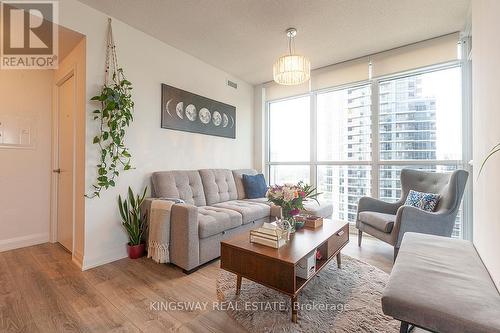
184, 111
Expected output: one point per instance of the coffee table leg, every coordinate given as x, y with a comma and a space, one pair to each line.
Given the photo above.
295, 305
339, 260
238, 284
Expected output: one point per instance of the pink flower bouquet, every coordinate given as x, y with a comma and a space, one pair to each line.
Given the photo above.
291, 197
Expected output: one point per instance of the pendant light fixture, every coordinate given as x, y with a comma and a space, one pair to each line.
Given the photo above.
291, 69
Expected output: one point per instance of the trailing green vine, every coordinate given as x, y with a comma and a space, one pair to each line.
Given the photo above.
114, 115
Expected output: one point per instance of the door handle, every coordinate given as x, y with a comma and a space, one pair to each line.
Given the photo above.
56, 171
340, 233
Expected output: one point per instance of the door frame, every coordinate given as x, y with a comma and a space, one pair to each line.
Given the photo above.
70, 73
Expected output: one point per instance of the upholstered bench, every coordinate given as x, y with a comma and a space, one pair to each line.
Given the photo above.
440, 284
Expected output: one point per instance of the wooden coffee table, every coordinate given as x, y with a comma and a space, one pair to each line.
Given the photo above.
275, 268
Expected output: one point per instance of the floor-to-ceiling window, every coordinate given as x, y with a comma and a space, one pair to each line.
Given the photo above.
289, 140
344, 152
353, 141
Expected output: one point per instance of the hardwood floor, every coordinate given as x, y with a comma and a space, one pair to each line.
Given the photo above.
42, 291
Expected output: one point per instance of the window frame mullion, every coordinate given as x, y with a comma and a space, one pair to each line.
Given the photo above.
375, 144
267, 144
313, 153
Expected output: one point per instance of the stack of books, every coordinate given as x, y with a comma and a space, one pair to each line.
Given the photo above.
269, 235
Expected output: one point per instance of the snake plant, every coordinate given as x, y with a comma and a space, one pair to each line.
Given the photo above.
132, 220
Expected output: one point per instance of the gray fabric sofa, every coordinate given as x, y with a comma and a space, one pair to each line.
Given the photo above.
215, 207
389, 221
440, 284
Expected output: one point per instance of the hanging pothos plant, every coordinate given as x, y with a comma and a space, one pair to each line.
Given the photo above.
114, 116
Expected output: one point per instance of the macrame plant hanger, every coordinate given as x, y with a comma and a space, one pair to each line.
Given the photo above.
112, 72
115, 115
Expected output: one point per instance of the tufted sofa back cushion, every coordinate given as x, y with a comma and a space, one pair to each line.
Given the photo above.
185, 185
219, 185
449, 185
238, 180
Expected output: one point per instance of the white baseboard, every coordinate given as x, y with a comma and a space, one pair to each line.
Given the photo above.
77, 259
23, 241
105, 257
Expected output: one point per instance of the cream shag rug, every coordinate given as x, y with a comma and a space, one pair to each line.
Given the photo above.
336, 300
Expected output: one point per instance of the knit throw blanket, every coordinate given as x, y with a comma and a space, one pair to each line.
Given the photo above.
159, 229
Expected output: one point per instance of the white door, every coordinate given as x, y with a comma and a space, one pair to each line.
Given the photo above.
66, 114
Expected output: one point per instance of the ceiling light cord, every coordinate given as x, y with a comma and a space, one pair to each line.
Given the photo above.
291, 33
291, 45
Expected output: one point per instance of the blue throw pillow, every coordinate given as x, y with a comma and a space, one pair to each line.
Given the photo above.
255, 186
424, 201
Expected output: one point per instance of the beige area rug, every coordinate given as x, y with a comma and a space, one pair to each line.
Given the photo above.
337, 300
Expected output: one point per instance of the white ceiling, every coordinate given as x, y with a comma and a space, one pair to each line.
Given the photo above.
244, 37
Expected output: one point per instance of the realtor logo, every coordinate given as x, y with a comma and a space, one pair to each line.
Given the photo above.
29, 35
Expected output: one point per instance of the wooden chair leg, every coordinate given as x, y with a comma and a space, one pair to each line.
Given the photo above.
360, 236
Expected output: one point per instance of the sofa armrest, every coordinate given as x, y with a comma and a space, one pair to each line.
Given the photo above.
374, 205
184, 238
146, 211
412, 219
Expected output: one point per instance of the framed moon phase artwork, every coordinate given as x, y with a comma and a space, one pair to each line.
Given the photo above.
185, 111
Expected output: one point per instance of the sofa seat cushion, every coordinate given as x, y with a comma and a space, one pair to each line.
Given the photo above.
250, 211
214, 220
380, 221
441, 284
323, 209
260, 200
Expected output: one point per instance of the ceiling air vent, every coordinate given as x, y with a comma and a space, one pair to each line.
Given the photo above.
232, 84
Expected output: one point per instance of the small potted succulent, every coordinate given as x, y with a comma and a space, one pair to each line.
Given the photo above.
133, 222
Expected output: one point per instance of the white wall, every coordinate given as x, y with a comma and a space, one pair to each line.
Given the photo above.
259, 142
147, 63
486, 131
25, 173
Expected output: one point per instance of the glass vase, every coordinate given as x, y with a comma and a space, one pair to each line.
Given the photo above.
291, 221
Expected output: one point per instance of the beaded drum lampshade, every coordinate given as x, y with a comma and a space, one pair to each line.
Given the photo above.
291, 69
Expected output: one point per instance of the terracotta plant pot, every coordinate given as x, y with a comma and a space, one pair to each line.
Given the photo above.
136, 251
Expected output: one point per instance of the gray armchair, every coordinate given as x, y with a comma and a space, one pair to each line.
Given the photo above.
389, 221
